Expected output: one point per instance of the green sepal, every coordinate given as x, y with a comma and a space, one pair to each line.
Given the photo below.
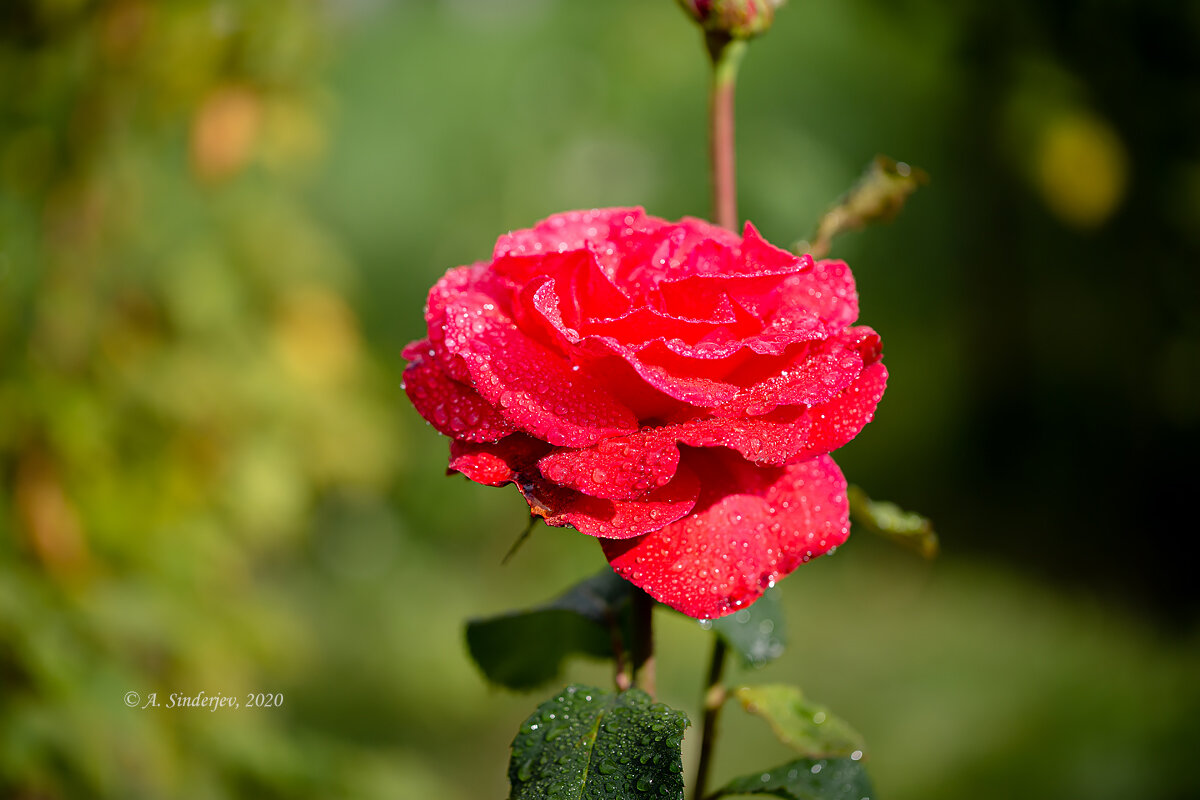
585, 742
809, 729
525, 649
755, 633
806, 779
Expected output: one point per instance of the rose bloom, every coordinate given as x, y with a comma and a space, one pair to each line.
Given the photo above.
672, 389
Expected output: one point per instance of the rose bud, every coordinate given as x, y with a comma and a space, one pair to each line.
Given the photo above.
739, 19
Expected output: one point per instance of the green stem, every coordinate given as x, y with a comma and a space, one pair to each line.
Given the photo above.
726, 54
525, 534
714, 699
643, 642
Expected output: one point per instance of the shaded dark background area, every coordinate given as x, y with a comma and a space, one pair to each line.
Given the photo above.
1085, 341
218, 222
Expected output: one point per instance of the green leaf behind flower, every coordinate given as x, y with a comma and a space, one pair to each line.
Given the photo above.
585, 742
806, 779
755, 633
807, 728
525, 649
906, 528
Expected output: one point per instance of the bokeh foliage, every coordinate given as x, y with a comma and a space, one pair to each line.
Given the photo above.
184, 385
218, 220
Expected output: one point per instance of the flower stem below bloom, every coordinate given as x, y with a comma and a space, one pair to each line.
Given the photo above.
714, 698
643, 641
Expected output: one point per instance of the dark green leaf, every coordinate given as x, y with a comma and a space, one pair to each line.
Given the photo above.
807, 779
755, 633
524, 649
906, 528
590, 743
807, 728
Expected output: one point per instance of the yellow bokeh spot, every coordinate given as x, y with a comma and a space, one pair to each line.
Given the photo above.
293, 134
317, 336
1081, 169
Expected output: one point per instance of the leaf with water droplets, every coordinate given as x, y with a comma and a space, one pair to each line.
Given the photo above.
806, 779
807, 728
586, 742
525, 649
906, 528
755, 633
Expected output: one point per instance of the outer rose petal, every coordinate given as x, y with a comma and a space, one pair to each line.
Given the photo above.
623, 468
575, 230
451, 407
535, 389
828, 291
614, 519
837, 422
776, 438
818, 372
753, 526
496, 463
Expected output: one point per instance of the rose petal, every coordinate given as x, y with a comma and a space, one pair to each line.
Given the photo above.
837, 422
753, 526
817, 372
452, 408
642, 259
827, 291
698, 390
614, 519
776, 438
643, 324
581, 289
575, 230
760, 257
623, 468
497, 463
534, 388
752, 278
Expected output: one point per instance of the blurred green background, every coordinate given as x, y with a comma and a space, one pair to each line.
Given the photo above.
218, 221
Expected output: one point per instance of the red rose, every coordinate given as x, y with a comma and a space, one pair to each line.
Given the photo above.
670, 388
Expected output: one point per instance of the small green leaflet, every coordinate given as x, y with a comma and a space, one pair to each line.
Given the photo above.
906, 528
525, 649
878, 196
755, 633
806, 779
585, 742
808, 729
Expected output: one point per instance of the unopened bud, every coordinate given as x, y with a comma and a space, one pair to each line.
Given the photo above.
737, 19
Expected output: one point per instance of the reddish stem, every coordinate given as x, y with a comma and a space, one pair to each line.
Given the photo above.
726, 57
